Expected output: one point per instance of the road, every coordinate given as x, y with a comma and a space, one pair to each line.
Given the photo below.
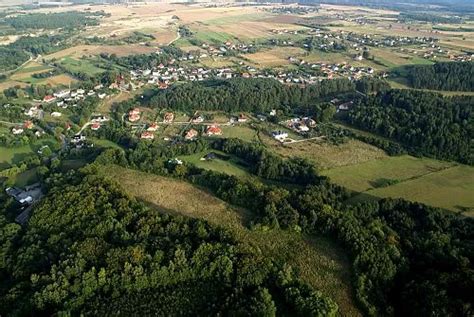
178, 36
317, 138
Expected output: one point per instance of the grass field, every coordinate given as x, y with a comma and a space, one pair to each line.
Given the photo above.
435, 183
319, 261
451, 188
325, 155
230, 166
82, 65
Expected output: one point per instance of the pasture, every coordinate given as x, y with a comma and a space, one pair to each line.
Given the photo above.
320, 262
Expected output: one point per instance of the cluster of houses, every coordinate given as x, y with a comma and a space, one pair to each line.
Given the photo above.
384, 41
300, 125
67, 97
27, 125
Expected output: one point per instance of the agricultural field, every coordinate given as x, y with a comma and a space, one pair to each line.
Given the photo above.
319, 261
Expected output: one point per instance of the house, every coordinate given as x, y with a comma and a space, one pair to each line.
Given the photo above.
102, 95
168, 118
100, 118
56, 114
152, 127
175, 161
95, 126
134, 115
213, 130
242, 118
191, 134
17, 130
67, 126
147, 135
28, 124
78, 138
345, 106
162, 85
44, 147
198, 119
62, 94
279, 135
209, 157
49, 98
302, 127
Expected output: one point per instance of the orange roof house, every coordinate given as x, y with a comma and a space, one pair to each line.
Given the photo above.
191, 134
152, 127
134, 115
213, 130
95, 126
147, 135
28, 124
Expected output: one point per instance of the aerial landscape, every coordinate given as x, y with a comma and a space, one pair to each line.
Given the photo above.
237, 158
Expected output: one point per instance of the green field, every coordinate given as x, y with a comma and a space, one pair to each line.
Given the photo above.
436, 183
82, 65
230, 166
319, 261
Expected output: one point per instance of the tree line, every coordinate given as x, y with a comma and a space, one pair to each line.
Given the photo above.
424, 123
70, 20
452, 76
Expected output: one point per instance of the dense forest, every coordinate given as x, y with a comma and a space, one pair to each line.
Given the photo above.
452, 76
425, 123
11, 58
70, 20
255, 95
89, 249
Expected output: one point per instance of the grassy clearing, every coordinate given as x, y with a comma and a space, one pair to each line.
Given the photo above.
451, 188
242, 132
325, 155
320, 262
376, 173
232, 166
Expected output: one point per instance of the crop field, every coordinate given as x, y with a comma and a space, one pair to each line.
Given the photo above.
319, 261
275, 56
79, 51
